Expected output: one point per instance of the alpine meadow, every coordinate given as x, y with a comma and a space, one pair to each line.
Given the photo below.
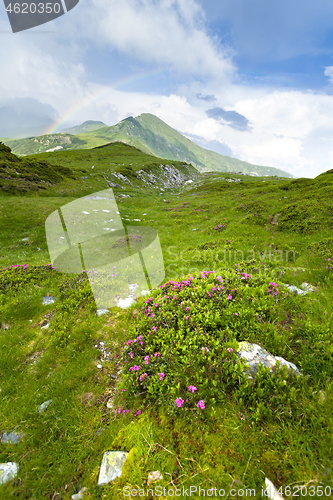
172, 381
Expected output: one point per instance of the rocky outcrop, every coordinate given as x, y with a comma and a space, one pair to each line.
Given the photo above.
254, 354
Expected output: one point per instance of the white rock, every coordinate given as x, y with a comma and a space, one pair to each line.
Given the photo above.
99, 366
8, 471
308, 287
112, 466
273, 493
48, 300
154, 476
44, 405
79, 495
11, 437
102, 311
293, 288
254, 354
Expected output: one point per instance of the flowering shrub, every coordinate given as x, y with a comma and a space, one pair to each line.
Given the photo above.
185, 357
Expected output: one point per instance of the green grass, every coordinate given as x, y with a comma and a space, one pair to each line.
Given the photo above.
275, 429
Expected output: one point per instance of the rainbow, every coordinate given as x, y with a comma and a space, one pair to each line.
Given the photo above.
73, 110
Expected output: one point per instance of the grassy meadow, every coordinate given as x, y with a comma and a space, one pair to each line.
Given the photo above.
244, 235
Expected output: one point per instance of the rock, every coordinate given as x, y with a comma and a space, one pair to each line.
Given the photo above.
112, 466
322, 396
154, 476
48, 300
273, 493
4, 325
11, 437
102, 311
8, 471
298, 291
79, 495
254, 354
44, 405
308, 287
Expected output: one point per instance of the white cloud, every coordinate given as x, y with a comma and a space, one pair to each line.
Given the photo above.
167, 33
329, 72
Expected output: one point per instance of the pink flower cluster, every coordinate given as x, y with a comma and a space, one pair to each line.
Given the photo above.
161, 375
274, 286
135, 367
191, 388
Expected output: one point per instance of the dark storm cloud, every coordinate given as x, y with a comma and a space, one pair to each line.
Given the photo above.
232, 118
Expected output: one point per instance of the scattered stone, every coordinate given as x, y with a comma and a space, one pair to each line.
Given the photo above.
8, 471
112, 466
79, 495
322, 396
109, 404
272, 492
24, 239
308, 287
154, 476
45, 326
102, 311
254, 354
44, 405
4, 325
196, 229
295, 289
48, 300
99, 366
11, 437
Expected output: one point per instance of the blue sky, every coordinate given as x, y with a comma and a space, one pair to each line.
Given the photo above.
251, 79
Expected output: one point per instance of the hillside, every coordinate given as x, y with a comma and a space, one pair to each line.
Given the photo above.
245, 262
149, 134
86, 169
87, 126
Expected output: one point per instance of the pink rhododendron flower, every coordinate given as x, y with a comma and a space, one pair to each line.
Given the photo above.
161, 375
191, 388
201, 404
229, 297
146, 359
229, 349
179, 402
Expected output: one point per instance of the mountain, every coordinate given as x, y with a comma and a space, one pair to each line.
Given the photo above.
87, 126
152, 136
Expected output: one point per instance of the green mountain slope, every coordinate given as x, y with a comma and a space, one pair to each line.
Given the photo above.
87, 126
116, 165
152, 136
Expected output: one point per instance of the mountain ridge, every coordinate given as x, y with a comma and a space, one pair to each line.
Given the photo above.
152, 136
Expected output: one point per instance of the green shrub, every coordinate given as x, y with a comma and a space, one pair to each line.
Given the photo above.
187, 335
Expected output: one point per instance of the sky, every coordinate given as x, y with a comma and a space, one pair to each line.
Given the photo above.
249, 79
